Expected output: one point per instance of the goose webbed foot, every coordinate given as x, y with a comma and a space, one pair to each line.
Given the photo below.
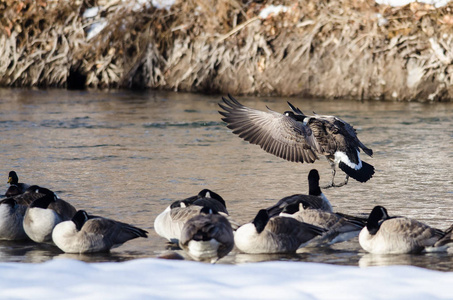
333, 184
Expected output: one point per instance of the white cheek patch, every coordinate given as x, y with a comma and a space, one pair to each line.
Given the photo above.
208, 195
341, 156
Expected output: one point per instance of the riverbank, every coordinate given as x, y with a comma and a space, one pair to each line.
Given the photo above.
345, 49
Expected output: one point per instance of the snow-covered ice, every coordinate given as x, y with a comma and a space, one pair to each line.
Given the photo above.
153, 278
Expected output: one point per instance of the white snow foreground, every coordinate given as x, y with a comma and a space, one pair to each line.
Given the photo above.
166, 279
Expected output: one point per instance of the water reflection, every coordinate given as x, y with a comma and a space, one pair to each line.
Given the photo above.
127, 156
437, 261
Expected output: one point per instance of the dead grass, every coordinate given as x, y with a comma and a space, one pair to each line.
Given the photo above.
335, 49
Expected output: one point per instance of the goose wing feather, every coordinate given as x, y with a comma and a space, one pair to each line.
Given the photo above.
112, 232
416, 232
273, 132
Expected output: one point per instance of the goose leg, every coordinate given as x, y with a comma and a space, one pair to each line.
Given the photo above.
343, 183
332, 183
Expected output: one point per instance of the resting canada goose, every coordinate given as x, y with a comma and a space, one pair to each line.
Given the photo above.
16, 187
170, 222
44, 213
339, 227
398, 235
87, 234
207, 236
315, 198
274, 235
300, 138
11, 218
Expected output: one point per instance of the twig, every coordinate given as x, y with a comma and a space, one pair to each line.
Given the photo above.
236, 29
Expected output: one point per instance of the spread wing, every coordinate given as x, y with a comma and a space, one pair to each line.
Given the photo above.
276, 133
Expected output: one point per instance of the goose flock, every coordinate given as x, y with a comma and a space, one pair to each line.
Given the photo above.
300, 220
38, 214
201, 224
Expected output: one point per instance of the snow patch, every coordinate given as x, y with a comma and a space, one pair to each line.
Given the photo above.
272, 10
168, 279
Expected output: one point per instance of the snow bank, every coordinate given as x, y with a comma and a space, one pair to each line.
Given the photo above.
164, 279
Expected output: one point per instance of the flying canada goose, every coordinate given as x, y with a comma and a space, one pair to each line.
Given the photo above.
398, 235
315, 198
207, 236
44, 213
274, 235
170, 222
88, 234
11, 218
297, 137
15, 187
339, 227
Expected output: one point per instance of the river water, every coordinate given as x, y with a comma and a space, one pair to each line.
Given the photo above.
127, 155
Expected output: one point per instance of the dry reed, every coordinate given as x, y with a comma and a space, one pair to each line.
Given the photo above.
336, 49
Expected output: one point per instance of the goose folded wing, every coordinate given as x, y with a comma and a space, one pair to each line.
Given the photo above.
419, 233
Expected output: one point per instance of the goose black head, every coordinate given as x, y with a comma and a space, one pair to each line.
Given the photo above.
261, 220
47, 198
208, 211
180, 203
294, 116
295, 109
378, 214
32, 189
210, 194
313, 183
13, 178
80, 218
295, 207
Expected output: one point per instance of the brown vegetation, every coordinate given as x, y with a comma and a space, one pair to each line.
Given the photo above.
350, 48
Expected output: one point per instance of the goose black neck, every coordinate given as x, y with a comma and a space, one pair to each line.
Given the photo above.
313, 183
44, 201
261, 220
373, 223
80, 218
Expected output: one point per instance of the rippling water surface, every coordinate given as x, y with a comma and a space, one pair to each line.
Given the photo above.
127, 156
